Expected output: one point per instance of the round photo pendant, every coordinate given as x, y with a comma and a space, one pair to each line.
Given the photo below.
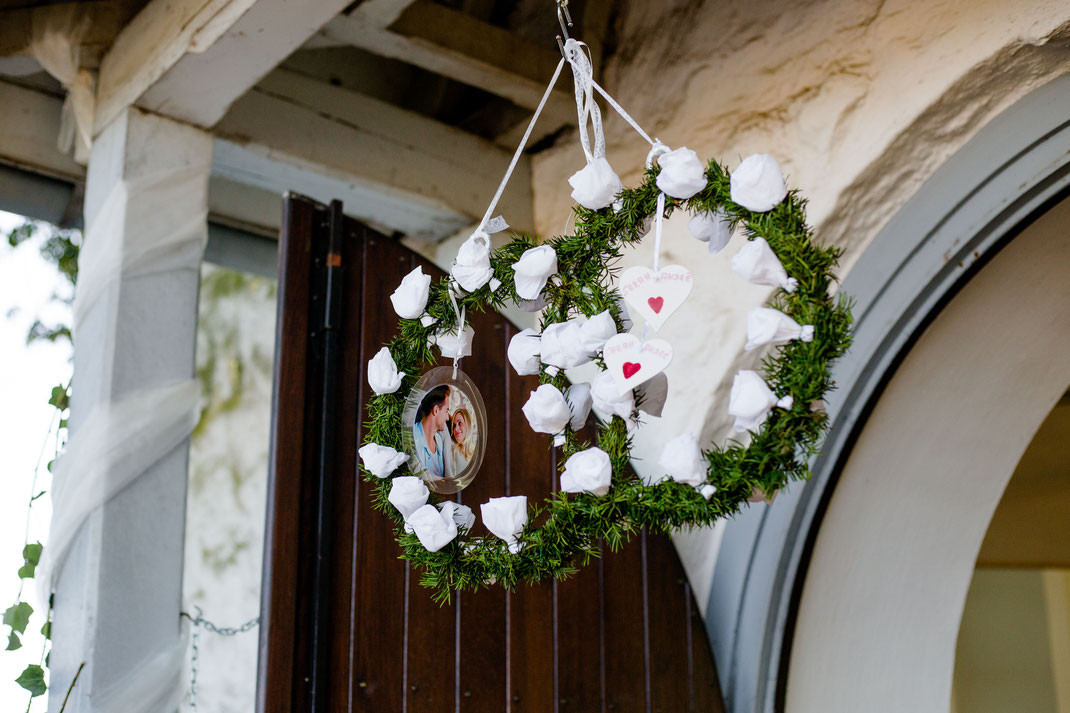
445, 429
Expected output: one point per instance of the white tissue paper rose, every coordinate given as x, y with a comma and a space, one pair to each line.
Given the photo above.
752, 400
546, 410
587, 471
607, 399
771, 326
471, 268
756, 262
410, 298
461, 515
682, 173
383, 374
532, 271
757, 184
707, 490
523, 352
453, 345
506, 518
683, 461
595, 185
596, 331
579, 403
381, 460
407, 493
563, 345
712, 228
434, 528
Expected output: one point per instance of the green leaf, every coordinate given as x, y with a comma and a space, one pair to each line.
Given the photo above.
59, 397
33, 680
31, 555
17, 616
13, 642
46, 630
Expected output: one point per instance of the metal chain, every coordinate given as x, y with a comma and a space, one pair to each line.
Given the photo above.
200, 622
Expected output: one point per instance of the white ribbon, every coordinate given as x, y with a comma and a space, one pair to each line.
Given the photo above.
577, 54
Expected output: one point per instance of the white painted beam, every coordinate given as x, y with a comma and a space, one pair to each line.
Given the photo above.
29, 125
191, 59
394, 168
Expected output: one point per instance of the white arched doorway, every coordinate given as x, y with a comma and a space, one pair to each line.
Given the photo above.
880, 609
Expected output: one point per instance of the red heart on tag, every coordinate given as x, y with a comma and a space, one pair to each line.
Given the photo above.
656, 303
630, 368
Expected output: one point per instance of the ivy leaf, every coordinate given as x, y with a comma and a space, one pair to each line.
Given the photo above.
59, 397
46, 630
17, 616
13, 642
31, 554
33, 680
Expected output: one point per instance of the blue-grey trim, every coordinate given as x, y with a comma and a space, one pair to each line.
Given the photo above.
241, 250
40, 197
1006, 175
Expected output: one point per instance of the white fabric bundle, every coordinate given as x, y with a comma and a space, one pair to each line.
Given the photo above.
707, 490
523, 352
471, 268
563, 345
607, 399
433, 527
407, 494
410, 297
771, 326
533, 269
682, 173
546, 410
588, 471
381, 460
712, 228
752, 400
596, 331
595, 185
683, 461
383, 375
756, 262
453, 345
579, 403
506, 518
757, 184
462, 515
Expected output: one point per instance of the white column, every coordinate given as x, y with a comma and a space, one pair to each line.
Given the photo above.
118, 590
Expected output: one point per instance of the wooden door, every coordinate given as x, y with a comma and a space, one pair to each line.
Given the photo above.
356, 632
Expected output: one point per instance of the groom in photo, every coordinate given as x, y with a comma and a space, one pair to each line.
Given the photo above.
429, 433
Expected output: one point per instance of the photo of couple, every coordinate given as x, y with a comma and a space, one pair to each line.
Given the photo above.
444, 433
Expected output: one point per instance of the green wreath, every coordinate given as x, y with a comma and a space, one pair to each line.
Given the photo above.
573, 525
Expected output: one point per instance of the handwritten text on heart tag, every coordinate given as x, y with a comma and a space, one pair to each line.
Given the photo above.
655, 297
632, 362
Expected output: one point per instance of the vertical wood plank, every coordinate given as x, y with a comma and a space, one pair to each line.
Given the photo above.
625, 657
667, 595
379, 577
532, 624
705, 685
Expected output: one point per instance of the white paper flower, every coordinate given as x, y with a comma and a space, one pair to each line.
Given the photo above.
532, 271
454, 346
579, 403
607, 399
461, 515
410, 298
546, 410
434, 528
683, 460
757, 184
712, 228
596, 331
682, 173
756, 262
506, 518
381, 460
523, 352
407, 493
383, 375
751, 401
707, 490
588, 471
531, 305
471, 268
563, 345
771, 326
595, 185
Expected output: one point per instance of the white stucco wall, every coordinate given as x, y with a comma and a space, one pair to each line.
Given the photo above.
860, 101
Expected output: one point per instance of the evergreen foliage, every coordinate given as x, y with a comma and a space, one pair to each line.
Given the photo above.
565, 531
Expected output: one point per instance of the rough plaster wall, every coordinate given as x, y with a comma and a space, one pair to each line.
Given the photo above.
860, 101
228, 479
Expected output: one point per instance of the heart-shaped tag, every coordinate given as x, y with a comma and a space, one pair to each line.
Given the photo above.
632, 362
655, 297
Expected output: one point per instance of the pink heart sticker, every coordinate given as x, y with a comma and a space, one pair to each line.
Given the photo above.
630, 368
656, 303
